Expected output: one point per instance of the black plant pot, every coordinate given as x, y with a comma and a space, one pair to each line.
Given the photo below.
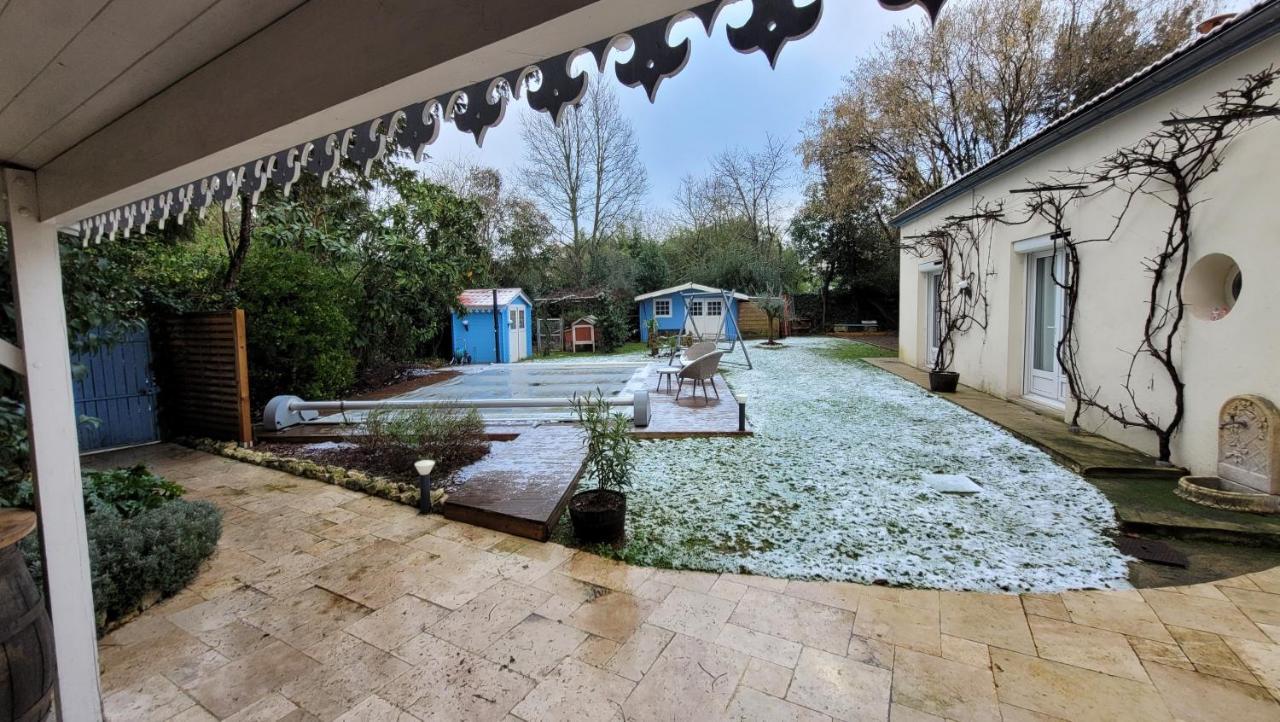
943, 382
599, 515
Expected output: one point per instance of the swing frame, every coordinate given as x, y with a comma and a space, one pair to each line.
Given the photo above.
726, 318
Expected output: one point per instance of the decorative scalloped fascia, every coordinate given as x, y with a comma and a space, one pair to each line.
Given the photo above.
474, 109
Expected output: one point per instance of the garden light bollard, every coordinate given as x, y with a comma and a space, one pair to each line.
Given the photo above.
742, 411
424, 469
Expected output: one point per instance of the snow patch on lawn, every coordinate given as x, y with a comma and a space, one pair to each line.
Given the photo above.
830, 488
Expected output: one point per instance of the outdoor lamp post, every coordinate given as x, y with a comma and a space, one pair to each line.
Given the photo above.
424, 468
742, 410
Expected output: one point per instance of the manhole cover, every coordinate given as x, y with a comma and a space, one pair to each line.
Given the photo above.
1151, 551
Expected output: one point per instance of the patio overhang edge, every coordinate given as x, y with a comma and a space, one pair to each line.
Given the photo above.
474, 107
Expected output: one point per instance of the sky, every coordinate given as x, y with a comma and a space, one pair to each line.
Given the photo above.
722, 99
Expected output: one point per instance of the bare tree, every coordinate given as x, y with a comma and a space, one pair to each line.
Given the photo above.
930, 104
586, 173
237, 242
751, 183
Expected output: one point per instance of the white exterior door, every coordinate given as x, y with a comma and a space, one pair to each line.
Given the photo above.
933, 318
712, 321
518, 327
695, 322
1046, 309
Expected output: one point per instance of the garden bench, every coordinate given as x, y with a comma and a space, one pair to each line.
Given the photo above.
861, 326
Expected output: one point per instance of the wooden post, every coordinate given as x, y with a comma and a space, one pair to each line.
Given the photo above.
497, 334
55, 455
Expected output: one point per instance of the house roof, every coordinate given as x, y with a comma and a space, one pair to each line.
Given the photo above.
483, 297
695, 288
1257, 23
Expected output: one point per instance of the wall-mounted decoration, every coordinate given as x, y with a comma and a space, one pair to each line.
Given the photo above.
549, 86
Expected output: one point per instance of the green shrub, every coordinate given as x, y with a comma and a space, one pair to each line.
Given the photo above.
452, 438
128, 492
136, 560
298, 316
610, 446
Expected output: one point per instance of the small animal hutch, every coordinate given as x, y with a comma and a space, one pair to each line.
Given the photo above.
580, 334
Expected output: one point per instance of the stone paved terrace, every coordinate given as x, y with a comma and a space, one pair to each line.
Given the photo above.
325, 604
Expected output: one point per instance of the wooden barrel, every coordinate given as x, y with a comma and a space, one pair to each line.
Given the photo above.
26, 638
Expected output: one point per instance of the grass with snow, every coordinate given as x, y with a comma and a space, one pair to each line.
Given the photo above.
829, 488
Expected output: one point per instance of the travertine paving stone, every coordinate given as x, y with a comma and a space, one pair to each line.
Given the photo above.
326, 604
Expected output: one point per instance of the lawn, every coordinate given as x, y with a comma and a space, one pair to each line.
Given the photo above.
632, 348
829, 487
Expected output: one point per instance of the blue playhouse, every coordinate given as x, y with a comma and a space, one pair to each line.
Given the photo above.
692, 308
485, 336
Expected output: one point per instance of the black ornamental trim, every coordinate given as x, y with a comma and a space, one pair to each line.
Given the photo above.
548, 86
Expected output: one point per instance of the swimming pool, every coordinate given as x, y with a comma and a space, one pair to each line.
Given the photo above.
529, 381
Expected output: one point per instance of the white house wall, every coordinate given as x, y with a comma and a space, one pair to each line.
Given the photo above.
1239, 216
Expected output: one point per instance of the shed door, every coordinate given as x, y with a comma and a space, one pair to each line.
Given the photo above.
517, 323
694, 322
118, 390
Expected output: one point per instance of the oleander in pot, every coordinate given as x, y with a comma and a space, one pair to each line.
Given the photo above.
599, 514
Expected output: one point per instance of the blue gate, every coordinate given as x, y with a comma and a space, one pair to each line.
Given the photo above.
117, 388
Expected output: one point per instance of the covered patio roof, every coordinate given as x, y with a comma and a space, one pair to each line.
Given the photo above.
119, 114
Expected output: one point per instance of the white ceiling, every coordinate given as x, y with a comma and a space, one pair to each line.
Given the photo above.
110, 101
70, 67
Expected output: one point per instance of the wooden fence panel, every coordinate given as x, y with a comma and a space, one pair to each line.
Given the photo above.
203, 369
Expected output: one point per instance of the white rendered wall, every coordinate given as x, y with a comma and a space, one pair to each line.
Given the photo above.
1238, 215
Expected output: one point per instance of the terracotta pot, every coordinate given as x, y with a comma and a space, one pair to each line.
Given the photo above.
599, 515
943, 382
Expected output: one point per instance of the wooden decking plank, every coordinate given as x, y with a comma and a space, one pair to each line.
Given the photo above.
522, 486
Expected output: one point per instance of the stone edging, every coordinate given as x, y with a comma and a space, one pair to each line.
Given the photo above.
378, 486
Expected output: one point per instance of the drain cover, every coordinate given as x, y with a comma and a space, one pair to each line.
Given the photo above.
1151, 551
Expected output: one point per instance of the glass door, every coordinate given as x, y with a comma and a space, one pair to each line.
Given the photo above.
933, 322
1045, 312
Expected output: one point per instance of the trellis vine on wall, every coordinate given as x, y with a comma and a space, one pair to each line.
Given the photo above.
1167, 165
962, 292
549, 86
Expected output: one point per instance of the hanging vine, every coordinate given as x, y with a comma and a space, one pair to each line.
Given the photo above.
1168, 165
962, 302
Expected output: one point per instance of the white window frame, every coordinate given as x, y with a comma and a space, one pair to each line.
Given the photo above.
718, 305
695, 308
657, 307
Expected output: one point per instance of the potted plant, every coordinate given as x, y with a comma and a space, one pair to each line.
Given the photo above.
600, 514
654, 342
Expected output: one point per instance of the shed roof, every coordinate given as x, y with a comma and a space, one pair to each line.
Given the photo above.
1246, 29
689, 287
483, 297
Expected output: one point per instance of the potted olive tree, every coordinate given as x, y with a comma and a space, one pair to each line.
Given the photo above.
600, 514
655, 343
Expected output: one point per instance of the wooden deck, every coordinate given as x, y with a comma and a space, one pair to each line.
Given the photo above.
690, 417
522, 486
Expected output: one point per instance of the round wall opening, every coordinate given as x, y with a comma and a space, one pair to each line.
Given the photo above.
1213, 286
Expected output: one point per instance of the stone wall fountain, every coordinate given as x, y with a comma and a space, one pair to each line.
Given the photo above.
1248, 460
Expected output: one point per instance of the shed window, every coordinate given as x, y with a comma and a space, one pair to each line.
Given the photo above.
695, 308
662, 307
715, 308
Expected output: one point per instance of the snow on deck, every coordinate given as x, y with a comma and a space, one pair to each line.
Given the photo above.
831, 487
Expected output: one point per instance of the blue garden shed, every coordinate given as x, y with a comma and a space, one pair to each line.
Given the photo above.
703, 311
504, 336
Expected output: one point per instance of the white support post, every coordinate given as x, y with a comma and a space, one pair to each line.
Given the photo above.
55, 453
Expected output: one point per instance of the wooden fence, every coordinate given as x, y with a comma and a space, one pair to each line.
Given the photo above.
203, 371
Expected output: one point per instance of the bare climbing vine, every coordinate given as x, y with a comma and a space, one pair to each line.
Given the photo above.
962, 302
1168, 165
